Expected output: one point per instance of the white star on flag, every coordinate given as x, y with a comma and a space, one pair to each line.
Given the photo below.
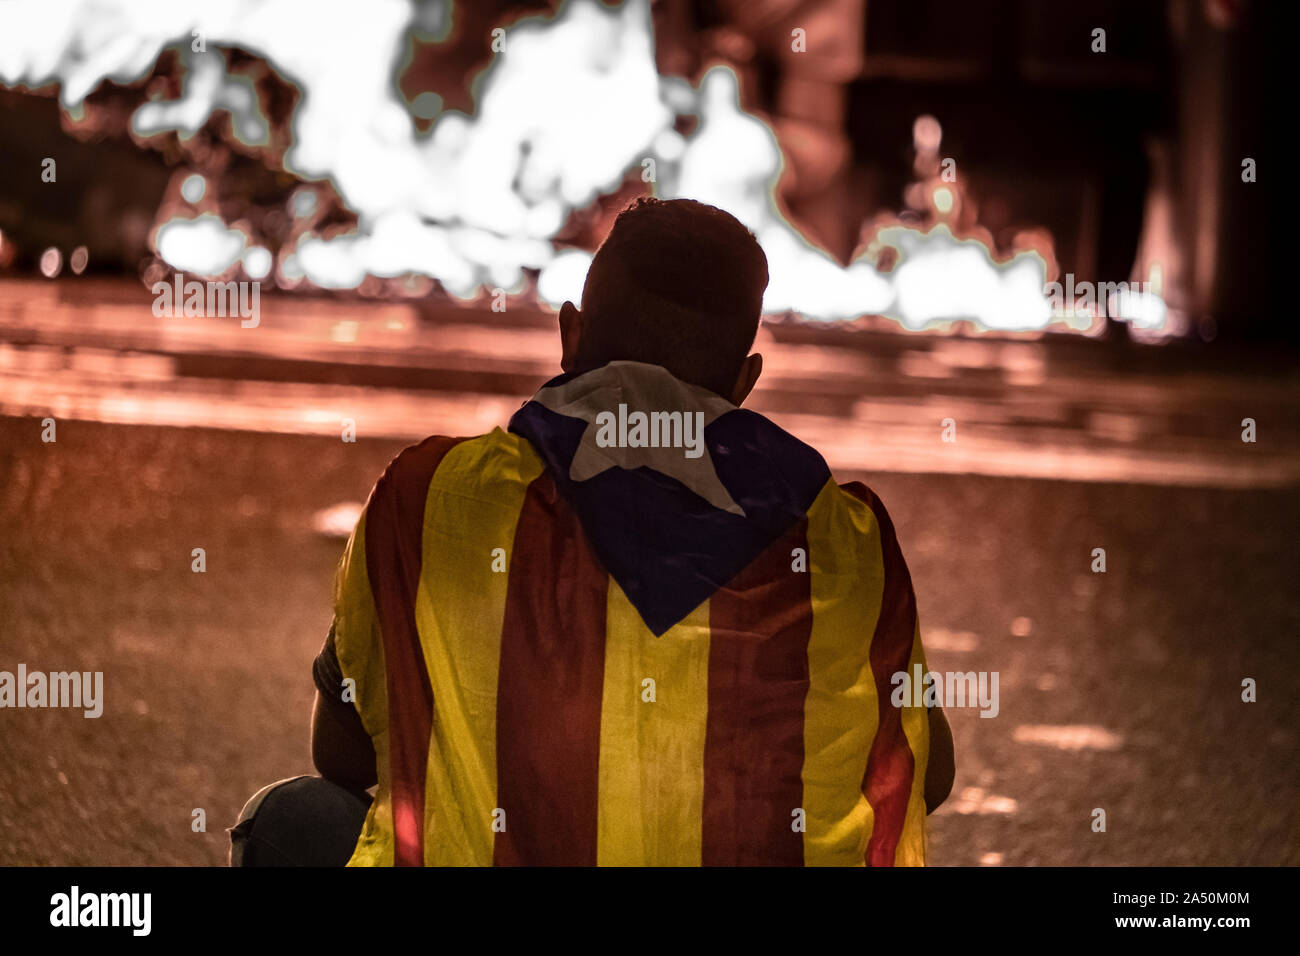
646, 388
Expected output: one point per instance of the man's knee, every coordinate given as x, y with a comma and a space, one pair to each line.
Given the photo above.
301, 821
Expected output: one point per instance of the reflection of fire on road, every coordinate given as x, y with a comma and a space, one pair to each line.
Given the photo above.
571, 109
870, 402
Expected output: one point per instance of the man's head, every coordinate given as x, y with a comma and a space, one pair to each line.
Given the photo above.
675, 283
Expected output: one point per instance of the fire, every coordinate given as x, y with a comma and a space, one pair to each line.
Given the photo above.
570, 105
204, 245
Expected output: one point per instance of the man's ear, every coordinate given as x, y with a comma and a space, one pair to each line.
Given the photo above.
570, 335
750, 370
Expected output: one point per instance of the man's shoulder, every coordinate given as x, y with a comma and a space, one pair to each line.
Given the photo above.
859, 491
415, 465
856, 494
446, 458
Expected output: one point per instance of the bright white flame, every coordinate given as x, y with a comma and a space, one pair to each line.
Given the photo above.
257, 262
940, 277
562, 278
204, 246
206, 87
1143, 310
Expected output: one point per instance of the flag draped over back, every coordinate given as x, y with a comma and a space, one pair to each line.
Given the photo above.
643, 626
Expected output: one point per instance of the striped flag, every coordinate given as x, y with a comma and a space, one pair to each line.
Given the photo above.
575, 647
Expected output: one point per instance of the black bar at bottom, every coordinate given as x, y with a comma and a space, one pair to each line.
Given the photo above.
465, 908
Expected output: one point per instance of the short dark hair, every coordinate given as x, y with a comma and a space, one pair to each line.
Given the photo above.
676, 283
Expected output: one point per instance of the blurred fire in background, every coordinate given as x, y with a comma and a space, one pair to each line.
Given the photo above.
416, 185
932, 163
956, 170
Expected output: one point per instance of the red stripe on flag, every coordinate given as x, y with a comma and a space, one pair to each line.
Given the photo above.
394, 535
760, 623
890, 765
550, 683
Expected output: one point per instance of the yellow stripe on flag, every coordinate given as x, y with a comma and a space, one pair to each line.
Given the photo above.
651, 800
840, 715
361, 656
459, 612
916, 725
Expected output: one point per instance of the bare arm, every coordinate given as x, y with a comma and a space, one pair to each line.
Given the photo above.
941, 769
340, 747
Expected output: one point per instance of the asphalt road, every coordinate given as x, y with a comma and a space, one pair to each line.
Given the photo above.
1119, 691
